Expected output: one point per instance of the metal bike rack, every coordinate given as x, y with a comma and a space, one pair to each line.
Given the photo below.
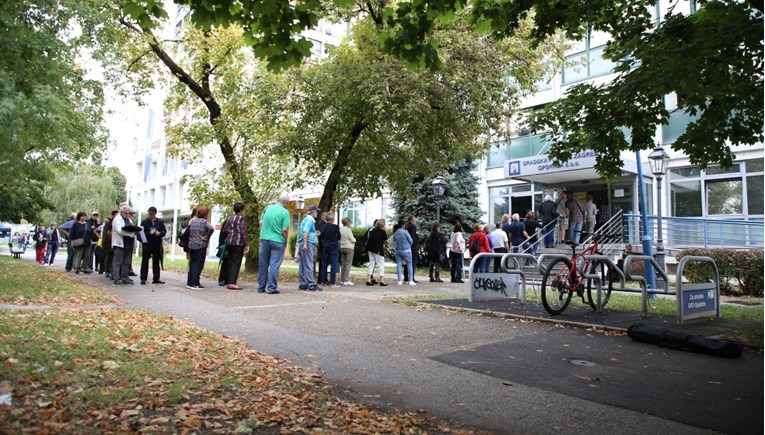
641, 279
594, 276
495, 281
693, 299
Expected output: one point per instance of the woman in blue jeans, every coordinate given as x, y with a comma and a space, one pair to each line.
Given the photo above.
403, 245
200, 231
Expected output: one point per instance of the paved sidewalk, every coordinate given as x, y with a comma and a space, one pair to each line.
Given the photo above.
505, 375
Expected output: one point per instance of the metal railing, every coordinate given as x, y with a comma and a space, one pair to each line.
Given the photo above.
688, 232
610, 235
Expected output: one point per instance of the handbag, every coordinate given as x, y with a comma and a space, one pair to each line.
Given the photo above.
77, 243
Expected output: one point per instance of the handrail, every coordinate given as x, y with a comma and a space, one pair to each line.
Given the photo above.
699, 231
611, 228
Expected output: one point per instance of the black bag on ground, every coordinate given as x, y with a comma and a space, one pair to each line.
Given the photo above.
682, 341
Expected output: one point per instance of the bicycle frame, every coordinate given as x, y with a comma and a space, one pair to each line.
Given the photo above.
575, 276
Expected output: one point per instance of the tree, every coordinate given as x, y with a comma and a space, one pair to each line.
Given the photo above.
50, 114
370, 123
215, 102
712, 59
85, 188
459, 205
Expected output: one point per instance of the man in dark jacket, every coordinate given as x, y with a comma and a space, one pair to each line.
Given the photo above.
329, 240
548, 214
153, 231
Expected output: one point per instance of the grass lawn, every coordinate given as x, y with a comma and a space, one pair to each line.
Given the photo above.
118, 370
26, 283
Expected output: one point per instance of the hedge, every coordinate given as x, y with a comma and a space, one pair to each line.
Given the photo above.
742, 267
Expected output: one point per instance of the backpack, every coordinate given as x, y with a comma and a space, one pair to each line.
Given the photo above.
183, 239
475, 245
365, 239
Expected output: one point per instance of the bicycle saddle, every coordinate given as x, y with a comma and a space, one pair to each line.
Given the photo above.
571, 243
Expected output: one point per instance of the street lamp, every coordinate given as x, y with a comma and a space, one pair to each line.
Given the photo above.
439, 189
658, 160
299, 203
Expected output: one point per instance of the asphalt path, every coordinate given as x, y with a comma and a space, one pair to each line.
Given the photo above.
502, 375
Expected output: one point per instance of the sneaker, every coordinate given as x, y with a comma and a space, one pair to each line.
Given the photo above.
221, 283
302, 287
382, 284
117, 282
191, 287
143, 282
349, 283
412, 283
275, 292
401, 283
315, 289
335, 285
439, 280
128, 281
200, 286
157, 282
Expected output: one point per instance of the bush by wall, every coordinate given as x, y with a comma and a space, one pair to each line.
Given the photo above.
744, 268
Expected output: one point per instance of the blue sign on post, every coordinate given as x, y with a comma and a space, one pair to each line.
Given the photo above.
698, 300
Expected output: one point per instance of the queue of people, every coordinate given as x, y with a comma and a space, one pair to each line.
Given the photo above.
107, 247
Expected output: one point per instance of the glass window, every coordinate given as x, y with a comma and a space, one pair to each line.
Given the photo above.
686, 199
352, 211
680, 173
598, 64
754, 194
499, 206
575, 68
498, 153
720, 170
499, 191
754, 166
522, 188
725, 197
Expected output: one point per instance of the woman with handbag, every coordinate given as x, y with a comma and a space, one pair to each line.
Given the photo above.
79, 240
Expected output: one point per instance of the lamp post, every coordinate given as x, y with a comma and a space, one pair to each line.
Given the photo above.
658, 160
439, 188
299, 203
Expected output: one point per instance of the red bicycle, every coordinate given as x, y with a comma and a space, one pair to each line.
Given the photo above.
564, 277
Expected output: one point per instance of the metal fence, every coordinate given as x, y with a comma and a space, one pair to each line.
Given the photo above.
681, 232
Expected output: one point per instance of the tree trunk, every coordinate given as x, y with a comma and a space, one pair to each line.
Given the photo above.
328, 195
205, 95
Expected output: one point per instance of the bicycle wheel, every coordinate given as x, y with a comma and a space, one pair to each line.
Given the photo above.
603, 269
556, 286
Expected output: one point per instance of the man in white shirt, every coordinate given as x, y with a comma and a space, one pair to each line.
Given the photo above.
499, 244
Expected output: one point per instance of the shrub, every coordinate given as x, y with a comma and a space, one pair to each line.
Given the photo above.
744, 267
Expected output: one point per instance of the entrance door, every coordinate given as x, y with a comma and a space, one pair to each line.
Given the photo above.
520, 205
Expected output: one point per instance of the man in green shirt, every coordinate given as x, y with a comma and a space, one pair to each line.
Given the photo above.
274, 228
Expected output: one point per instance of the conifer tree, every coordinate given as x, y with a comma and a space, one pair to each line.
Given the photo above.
460, 202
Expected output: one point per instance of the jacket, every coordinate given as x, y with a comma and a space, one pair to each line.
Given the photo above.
402, 240
483, 242
118, 233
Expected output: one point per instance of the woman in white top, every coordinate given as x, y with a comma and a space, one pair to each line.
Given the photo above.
457, 253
